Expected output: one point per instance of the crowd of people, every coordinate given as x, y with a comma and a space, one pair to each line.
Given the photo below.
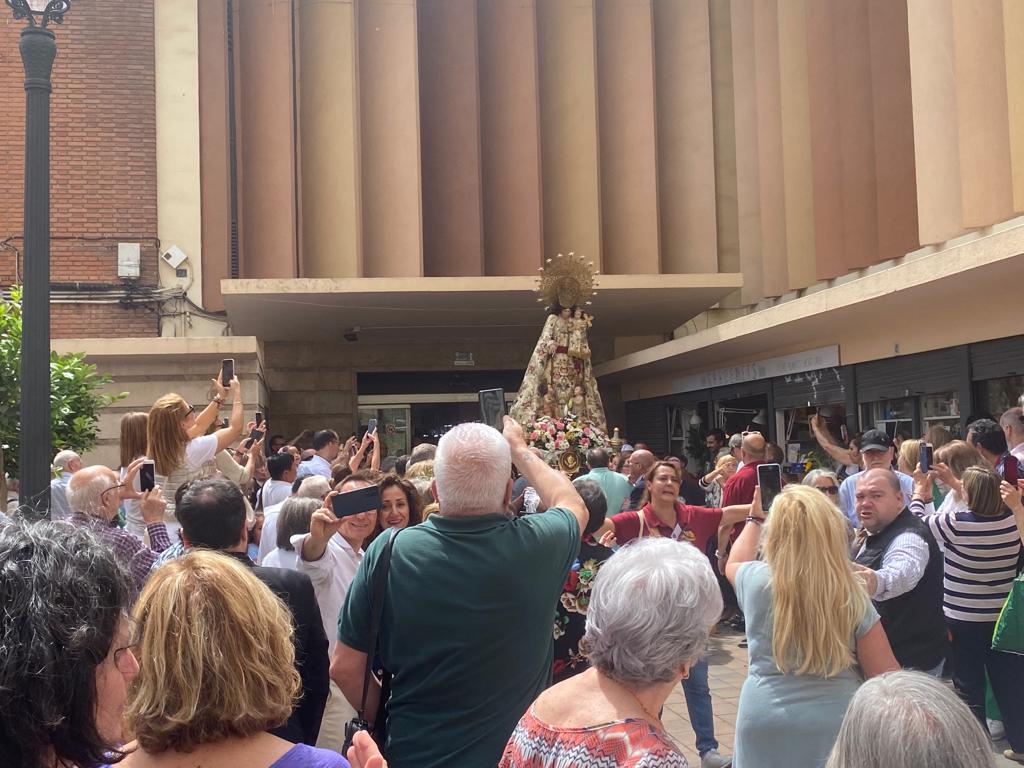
489, 610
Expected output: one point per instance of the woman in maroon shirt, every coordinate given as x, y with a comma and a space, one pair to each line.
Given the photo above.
662, 514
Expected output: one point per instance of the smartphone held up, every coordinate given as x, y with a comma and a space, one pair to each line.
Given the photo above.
492, 407
769, 480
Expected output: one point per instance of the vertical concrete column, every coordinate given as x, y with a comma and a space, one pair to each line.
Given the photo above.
390, 139
896, 186
771, 170
214, 151
982, 111
723, 113
794, 105
510, 137
265, 92
748, 189
450, 134
936, 130
686, 140
856, 134
826, 157
1013, 32
329, 139
568, 120
628, 137
178, 202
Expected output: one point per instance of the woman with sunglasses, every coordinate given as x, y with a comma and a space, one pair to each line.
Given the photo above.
177, 441
825, 481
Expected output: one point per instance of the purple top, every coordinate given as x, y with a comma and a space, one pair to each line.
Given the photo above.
305, 756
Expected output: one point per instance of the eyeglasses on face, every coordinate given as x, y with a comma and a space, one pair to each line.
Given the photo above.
831, 490
112, 488
189, 412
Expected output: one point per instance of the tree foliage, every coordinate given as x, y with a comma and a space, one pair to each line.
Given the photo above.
76, 392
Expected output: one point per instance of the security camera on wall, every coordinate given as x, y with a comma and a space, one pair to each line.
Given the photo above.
174, 257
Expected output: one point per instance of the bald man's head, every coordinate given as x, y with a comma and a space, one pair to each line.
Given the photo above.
752, 448
639, 462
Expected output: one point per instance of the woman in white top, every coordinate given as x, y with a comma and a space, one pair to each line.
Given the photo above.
177, 443
293, 521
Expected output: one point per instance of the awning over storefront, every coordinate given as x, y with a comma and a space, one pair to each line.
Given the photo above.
408, 309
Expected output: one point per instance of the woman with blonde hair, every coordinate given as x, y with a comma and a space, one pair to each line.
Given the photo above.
176, 439
133, 446
216, 670
811, 628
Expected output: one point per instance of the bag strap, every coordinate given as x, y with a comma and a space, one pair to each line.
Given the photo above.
380, 585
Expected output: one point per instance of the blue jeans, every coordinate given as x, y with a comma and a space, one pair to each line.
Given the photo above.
698, 706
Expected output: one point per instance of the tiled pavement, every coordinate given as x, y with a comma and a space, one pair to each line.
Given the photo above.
726, 673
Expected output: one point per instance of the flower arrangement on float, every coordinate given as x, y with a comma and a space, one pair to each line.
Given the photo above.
564, 440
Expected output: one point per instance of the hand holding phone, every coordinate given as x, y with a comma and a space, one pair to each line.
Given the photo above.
371, 426
259, 418
769, 480
1010, 473
227, 371
925, 457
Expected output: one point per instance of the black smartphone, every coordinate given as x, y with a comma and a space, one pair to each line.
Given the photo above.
925, 456
356, 502
147, 475
769, 479
254, 435
371, 426
227, 371
259, 418
1010, 470
492, 407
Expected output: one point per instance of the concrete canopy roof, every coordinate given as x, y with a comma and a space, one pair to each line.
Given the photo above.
388, 309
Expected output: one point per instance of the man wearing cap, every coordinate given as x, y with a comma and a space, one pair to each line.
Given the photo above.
876, 452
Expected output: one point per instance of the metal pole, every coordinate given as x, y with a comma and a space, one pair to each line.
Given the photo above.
38, 50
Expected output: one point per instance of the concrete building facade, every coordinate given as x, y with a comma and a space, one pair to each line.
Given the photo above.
769, 189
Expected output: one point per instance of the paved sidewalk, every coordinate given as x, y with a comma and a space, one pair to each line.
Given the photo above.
726, 673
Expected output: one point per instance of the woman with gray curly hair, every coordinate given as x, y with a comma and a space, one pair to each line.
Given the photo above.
651, 609
909, 720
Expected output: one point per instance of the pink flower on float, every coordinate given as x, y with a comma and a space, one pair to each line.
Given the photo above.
585, 442
560, 425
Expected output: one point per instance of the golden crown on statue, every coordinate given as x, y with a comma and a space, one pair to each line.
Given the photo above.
567, 281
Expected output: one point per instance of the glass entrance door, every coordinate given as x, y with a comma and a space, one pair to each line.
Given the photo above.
392, 424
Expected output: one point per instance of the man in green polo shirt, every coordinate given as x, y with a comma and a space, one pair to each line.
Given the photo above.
466, 626
616, 486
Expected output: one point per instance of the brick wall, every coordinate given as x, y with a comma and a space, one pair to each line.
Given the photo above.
103, 157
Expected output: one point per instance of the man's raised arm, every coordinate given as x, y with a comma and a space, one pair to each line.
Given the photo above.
554, 488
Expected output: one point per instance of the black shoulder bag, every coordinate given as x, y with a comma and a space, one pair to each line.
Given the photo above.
359, 723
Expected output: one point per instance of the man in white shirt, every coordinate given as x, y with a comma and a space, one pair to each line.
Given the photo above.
876, 452
1012, 423
283, 469
327, 446
67, 463
330, 555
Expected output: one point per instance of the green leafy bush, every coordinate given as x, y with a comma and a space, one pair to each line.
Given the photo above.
76, 398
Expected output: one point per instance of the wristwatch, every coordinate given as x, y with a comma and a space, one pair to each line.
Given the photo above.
218, 399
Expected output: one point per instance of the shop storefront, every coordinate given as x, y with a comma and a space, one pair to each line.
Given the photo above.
908, 395
997, 371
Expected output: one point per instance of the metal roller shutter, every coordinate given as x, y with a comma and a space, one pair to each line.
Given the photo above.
821, 387
996, 359
910, 375
647, 421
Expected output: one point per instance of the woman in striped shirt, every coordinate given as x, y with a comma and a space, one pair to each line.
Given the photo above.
982, 548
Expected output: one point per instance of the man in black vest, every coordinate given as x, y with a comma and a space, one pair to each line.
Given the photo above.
213, 516
901, 565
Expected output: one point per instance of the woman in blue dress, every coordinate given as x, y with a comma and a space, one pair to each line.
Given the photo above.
812, 631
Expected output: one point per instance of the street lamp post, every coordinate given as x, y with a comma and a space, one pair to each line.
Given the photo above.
38, 49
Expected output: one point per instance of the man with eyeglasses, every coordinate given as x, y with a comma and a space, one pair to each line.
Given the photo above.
94, 495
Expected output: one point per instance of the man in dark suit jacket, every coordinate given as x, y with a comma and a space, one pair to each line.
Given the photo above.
213, 516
